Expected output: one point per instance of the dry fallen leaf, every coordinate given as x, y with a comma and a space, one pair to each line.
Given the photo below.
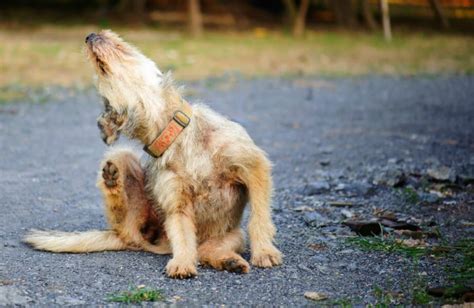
318, 246
412, 243
315, 296
384, 214
364, 228
399, 225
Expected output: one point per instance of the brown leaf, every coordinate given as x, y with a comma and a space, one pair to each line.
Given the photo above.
412, 243
318, 246
384, 214
364, 228
399, 225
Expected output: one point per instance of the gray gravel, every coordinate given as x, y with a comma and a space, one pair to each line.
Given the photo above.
333, 138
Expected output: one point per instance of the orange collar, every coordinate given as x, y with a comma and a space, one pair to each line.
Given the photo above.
180, 121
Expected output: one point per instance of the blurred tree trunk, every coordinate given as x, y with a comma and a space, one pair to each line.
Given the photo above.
195, 18
290, 12
300, 21
103, 8
387, 30
133, 8
439, 13
344, 12
139, 8
368, 16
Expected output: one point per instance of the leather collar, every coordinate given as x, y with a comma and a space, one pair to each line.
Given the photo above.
181, 119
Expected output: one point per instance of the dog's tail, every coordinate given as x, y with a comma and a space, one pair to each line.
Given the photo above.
74, 242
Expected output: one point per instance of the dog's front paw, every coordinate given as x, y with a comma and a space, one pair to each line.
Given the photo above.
109, 131
180, 270
267, 257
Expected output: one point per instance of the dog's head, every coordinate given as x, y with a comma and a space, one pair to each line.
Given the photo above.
128, 82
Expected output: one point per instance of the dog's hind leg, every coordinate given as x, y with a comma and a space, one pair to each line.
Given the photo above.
222, 253
117, 165
129, 210
261, 228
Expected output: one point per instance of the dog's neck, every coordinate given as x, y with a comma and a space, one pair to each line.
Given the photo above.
146, 127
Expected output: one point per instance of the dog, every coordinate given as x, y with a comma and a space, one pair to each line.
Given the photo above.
202, 168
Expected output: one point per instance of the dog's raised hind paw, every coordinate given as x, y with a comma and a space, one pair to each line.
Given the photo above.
110, 174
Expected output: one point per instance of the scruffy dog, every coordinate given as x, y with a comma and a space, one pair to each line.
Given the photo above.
201, 172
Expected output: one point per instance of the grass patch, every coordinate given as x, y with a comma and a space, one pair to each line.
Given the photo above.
52, 54
410, 195
12, 93
386, 244
383, 298
420, 297
462, 274
137, 295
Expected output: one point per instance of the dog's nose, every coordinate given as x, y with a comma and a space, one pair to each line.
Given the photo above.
90, 37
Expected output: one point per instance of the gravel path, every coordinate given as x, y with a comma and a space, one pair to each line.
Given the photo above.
330, 140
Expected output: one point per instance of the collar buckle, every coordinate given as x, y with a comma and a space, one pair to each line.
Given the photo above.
181, 118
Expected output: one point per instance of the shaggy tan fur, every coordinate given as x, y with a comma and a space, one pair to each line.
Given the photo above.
203, 181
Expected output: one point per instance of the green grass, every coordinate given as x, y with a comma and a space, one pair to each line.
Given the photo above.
419, 294
383, 298
462, 274
420, 297
387, 245
410, 195
137, 295
12, 93
52, 54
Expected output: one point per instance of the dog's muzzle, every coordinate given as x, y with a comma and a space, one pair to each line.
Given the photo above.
91, 37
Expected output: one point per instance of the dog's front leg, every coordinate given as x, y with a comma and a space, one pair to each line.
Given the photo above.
182, 234
181, 231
